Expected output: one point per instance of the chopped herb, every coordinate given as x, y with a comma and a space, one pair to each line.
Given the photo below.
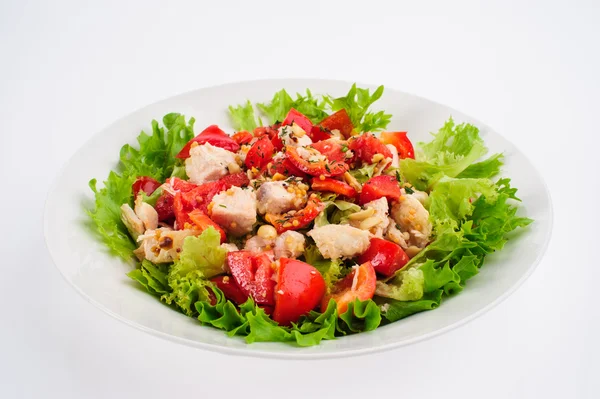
327, 168
344, 149
409, 190
222, 206
398, 178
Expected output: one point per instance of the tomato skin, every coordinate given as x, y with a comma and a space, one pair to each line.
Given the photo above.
252, 273
319, 133
340, 121
212, 135
299, 119
230, 289
146, 184
260, 153
300, 287
242, 137
331, 148
239, 179
324, 168
401, 142
343, 294
181, 185
284, 167
333, 186
277, 142
380, 186
203, 222
366, 146
164, 208
270, 131
304, 217
385, 256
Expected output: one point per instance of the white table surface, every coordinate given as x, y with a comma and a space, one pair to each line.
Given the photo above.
67, 69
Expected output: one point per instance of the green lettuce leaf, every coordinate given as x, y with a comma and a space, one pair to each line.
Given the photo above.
408, 286
152, 277
276, 110
243, 117
336, 212
483, 170
155, 157
357, 103
453, 149
395, 310
331, 269
201, 254
360, 316
363, 174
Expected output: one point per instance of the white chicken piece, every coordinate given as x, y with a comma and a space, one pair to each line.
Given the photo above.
146, 213
294, 136
235, 210
340, 240
274, 197
412, 217
395, 157
208, 163
393, 234
162, 245
379, 221
289, 245
229, 247
422, 196
133, 223
259, 244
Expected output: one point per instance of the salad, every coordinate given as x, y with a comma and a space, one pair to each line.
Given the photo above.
310, 221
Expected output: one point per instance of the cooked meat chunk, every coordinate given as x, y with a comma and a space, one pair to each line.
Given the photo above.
340, 241
279, 197
289, 245
208, 163
235, 210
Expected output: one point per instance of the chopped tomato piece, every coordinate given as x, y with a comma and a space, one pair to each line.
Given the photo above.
202, 222
277, 142
300, 287
338, 121
242, 137
347, 290
319, 133
298, 219
260, 153
270, 131
380, 186
401, 142
145, 184
253, 273
318, 168
366, 146
299, 119
181, 185
230, 289
333, 186
332, 149
212, 135
385, 256
239, 179
284, 167
164, 208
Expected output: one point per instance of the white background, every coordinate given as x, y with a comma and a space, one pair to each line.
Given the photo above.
528, 69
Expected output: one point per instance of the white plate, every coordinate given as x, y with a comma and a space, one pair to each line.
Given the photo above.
101, 278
